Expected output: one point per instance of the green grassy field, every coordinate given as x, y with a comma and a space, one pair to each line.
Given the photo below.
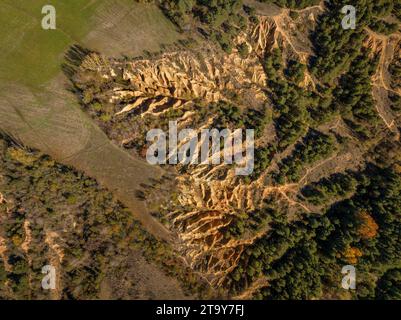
37, 108
32, 56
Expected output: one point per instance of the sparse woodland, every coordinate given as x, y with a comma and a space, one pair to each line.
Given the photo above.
54, 215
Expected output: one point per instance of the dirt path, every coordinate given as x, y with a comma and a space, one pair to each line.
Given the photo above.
250, 291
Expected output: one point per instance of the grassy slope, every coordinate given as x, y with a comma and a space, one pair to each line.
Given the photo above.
34, 103
32, 56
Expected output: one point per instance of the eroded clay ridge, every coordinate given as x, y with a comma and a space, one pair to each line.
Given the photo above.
52, 239
173, 80
176, 78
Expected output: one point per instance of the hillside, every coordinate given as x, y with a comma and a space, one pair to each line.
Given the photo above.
324, 103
